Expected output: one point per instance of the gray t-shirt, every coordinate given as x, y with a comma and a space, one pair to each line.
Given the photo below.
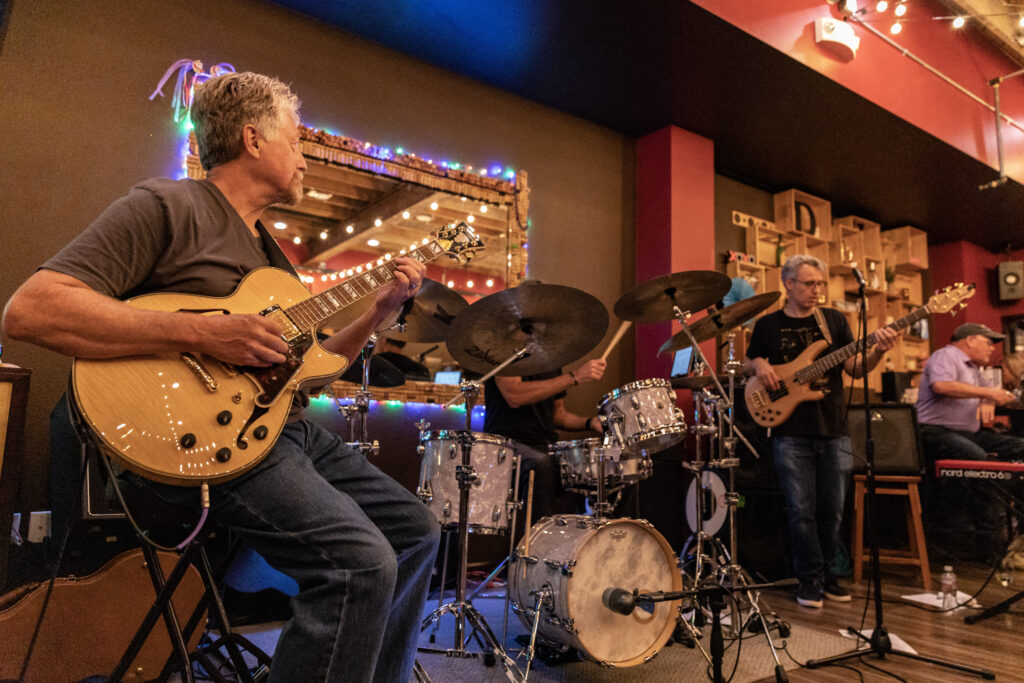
167, 235
170, 236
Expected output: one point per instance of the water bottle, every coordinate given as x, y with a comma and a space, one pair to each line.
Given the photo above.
947, 588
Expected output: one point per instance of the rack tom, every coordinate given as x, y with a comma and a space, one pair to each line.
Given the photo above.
579, 463
644, 415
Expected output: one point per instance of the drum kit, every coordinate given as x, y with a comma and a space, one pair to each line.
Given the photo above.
613, 589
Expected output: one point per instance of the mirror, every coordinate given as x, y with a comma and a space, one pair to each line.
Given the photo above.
363, 202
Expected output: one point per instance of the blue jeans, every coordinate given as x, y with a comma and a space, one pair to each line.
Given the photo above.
360, 546
814, 473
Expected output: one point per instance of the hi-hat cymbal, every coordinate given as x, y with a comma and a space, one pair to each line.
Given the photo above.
653, 301
430, 313
721, 321
382, 373
563, 323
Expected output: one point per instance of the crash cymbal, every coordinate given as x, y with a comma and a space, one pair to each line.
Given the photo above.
692, 290
721, 321
564, 323
429, 314
382, 373
701, 381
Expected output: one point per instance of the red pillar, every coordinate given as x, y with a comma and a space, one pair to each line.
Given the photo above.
675, 226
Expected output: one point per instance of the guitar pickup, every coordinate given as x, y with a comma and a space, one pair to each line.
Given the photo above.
289, 331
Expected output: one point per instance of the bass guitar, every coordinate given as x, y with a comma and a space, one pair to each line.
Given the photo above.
189, 419
771, 408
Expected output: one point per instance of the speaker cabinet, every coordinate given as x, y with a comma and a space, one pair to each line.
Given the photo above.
894, 433
1011, 280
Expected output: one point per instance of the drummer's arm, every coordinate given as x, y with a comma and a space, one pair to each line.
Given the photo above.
570, 421
518, 393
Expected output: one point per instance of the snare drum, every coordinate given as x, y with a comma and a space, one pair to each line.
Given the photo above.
495, 465
578, 462
644, 415
572, 561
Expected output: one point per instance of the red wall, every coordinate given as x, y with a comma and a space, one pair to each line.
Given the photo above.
965, 262
881, 74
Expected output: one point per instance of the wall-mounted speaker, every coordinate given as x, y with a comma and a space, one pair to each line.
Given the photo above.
1011, 280
894, 434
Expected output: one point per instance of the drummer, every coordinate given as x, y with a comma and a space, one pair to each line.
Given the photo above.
530, 410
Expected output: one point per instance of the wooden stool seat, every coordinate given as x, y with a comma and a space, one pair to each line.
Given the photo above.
891, 485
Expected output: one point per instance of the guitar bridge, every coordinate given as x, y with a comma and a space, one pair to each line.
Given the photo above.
200, 371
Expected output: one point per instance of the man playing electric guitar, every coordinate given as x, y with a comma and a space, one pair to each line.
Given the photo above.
360, 546
811, 449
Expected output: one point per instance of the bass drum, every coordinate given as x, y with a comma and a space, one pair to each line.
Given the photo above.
577, 559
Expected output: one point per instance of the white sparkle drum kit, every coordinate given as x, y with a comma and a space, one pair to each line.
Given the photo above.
611, 589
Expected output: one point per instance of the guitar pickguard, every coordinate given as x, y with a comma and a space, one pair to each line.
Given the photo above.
276, 378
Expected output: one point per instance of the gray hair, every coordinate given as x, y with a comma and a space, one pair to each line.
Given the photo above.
224, 104
793, 263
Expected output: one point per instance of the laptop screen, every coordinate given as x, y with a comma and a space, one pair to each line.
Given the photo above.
447, 377
682, 362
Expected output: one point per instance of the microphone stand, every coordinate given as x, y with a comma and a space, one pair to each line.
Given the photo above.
879, 644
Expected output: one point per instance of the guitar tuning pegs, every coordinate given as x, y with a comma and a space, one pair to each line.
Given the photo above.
963, 306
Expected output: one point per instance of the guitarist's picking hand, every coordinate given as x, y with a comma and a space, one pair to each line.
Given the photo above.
766, 373
243, 339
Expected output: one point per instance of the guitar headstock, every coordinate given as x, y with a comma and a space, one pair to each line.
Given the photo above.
459, 241
946, 299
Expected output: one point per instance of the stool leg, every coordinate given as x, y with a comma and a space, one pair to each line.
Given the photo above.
922, 548
858, 532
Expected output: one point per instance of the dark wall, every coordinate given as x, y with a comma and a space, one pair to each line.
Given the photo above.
77, 131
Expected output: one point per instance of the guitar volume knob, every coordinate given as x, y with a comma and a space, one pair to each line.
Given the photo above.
260, 432
224, 417
223, 455
188, 440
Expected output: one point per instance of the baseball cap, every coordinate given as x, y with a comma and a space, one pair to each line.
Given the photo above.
971, 329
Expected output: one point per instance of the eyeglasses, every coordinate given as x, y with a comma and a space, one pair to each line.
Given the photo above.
811, 284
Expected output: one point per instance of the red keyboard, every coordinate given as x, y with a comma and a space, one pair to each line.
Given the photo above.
979, 469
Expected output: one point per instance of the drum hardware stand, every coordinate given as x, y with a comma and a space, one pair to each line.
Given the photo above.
879, 644
462, 608
717, 411
355, 412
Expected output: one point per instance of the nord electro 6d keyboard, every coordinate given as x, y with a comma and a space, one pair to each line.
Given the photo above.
979, 469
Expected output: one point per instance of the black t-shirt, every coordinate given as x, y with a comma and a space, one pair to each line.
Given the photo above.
780, 339
532, 425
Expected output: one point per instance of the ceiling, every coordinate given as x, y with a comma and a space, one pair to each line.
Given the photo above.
637, 67
998, 20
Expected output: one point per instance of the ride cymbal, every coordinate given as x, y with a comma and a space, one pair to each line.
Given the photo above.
721, 320
563, 323
429, 314
653, 301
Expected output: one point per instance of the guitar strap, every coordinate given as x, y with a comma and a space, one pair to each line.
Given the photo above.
819, 317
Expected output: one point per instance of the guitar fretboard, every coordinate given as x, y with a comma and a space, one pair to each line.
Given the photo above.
310, 313
826, 363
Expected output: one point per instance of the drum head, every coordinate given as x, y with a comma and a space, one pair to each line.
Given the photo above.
623, 554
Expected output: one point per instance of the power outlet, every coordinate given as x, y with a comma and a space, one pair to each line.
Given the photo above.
38, 526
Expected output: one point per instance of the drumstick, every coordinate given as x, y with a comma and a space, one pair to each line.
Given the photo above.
615, 340
527, 520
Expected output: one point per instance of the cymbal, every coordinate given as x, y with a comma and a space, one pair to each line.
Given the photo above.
429, 314
563, 323
701, 381
382, 373
721, 320
691, 290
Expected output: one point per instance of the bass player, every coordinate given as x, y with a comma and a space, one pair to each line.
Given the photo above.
811, 449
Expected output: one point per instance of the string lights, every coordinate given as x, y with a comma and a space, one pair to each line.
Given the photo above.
879, 12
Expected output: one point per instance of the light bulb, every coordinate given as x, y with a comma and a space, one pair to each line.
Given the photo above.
900, 10
297, 240
323, 235
483, 208
959, 22
405, 215
490, 283
881, 6
378, 222
280, 225
433, 206
469, 283
451, 284
373, 242
895, 28
349, 229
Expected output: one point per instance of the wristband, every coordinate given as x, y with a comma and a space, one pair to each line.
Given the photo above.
575, 381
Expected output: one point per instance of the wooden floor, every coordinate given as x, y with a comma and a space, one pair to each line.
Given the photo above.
995, 644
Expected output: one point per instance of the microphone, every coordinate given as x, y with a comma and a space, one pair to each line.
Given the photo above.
618, 600
860, 278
